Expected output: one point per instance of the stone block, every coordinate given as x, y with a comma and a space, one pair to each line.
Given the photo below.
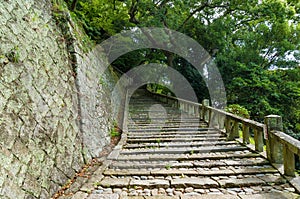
269, 196
244, 182
150, 183
194, 182
115, 182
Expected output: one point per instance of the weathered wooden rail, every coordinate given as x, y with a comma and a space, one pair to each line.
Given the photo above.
280, 148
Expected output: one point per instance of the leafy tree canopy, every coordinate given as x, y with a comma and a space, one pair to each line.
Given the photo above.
245, 38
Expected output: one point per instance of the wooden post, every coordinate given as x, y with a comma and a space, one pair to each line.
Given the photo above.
246, 135
288, 161
274, 148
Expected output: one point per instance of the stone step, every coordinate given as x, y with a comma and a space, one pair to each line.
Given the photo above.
159, 114
199, 131
244, 182
187, 164
163, 119
159, 126
195, 182
184, 157
172, 133
154, 114
213, 139
173, 119
146, 105
166, 121
169, 154
142, 99
276, 195
210, 149
176, 120
162, 127
163, 136
169, 123
166, 129
262, 191
227, 171
137, 104
178, 144
166, 109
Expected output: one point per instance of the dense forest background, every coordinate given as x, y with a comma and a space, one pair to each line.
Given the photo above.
255, 44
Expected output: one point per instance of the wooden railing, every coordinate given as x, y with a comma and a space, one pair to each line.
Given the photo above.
279, 147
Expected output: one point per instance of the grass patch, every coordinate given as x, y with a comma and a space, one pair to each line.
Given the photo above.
192, 152
168, 166
114, 132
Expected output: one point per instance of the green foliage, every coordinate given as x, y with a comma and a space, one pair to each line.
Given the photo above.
96, 184
102, 18
238, 110
245, 38
114, 133
86, 42
102, 81
160, 89
14, 55
168, 166
59, 9
62, 18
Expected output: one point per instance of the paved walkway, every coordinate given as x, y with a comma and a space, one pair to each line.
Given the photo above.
171, 155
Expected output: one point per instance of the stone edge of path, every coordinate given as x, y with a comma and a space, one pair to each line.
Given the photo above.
294, 181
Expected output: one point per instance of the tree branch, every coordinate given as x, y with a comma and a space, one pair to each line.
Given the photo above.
133, 11
202, 7
74, 4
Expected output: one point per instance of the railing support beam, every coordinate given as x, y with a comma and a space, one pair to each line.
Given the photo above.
259, 140
205, 103
274, 148
246, 135
288, 162
236, 132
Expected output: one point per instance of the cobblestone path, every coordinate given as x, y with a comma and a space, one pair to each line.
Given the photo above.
171, 155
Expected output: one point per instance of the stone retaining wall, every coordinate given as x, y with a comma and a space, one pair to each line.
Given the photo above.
50, 121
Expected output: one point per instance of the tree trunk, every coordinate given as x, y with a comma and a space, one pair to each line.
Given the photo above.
170, 58
73, 6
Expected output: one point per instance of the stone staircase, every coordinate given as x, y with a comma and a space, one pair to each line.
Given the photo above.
169, 154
